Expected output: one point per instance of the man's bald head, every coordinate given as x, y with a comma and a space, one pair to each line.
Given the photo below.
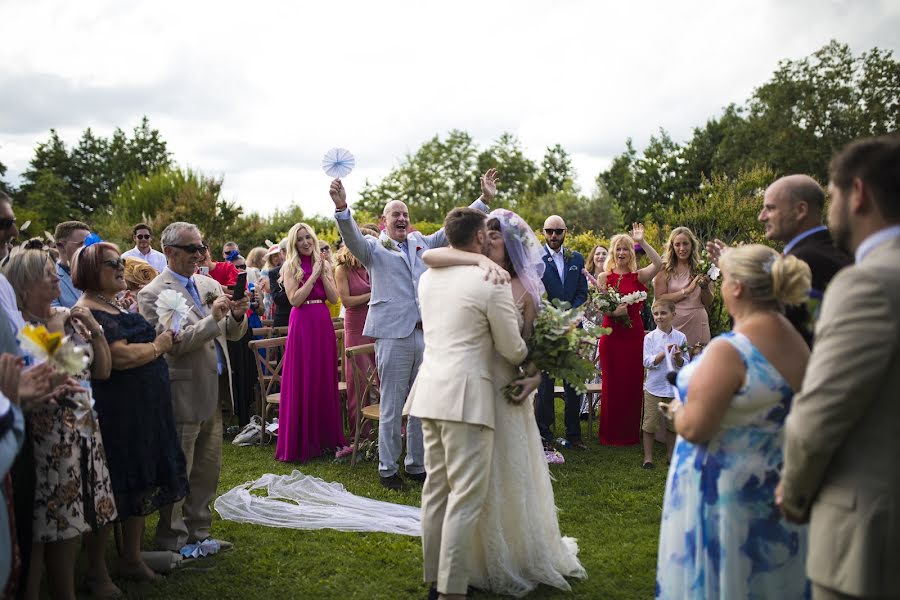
792, 205
395, 219
555, 232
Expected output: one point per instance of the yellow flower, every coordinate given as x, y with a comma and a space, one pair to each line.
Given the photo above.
43, 339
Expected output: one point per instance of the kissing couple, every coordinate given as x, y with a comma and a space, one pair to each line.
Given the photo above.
488, 514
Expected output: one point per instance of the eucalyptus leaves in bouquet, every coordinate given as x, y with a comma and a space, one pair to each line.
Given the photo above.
560, 347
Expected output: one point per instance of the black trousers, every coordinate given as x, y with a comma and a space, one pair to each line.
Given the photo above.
546, 415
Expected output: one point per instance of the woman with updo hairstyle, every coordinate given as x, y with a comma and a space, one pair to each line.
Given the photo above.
721, 535
682, 283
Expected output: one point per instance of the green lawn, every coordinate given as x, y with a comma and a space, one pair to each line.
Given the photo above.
605, 500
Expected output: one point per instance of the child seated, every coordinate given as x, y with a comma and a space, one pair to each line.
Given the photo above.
656, 387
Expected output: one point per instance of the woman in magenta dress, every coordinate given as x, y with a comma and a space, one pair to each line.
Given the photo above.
309, 415
354, 289
620, 352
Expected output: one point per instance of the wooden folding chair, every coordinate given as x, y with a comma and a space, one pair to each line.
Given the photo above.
342, 374
269, 355
365, 385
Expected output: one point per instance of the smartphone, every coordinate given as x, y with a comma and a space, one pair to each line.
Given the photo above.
240, 286
204, 271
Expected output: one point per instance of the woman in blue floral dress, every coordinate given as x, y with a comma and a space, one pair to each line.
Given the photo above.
722, 535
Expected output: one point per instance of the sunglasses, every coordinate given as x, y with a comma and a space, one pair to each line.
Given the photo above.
554, 231
192, 248
143, 236
325, 249
240, 267
6, 224
118, 263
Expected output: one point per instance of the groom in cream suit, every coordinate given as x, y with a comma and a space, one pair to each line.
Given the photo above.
842, 437
199, 372
466, 322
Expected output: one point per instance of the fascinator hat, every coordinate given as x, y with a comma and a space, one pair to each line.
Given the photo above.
523, 250
138, 272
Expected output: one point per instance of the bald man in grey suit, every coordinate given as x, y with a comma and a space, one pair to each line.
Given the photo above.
394, 262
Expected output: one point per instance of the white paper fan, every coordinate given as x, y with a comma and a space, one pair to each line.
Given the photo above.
338, 162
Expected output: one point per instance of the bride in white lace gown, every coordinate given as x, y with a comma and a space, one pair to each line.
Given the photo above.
518, 544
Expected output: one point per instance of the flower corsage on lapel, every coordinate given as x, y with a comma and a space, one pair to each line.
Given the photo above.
209, 299
567, 254
389, 244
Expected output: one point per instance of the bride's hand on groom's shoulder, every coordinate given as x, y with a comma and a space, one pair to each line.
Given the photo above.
493, 272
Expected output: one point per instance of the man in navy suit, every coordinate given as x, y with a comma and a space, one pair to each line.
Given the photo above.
563, 279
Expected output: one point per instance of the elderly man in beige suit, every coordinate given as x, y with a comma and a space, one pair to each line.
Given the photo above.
466, 322
199, 372
842, 437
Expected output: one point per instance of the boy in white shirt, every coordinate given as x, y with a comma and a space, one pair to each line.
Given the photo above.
656, 387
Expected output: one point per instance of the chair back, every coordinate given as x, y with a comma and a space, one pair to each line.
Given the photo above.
269, 358
365, 384
342, 370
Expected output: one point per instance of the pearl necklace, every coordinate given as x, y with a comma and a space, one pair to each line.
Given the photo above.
113, 303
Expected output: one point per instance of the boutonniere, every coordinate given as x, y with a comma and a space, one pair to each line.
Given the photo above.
567, 254
387, 243
210, 298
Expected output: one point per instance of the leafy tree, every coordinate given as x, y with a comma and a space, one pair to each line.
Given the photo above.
439, 176
4, 187
48, 203
556, 168
517, 171
94, 169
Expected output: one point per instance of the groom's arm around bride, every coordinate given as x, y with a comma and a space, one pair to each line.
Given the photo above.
465, 320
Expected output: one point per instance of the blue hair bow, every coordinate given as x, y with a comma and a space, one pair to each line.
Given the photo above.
92, 239
232, 256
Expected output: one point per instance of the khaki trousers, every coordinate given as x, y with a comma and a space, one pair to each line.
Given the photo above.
820, 592
189, 520
458, 463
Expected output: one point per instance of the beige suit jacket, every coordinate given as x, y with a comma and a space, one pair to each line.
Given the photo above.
842, 436
193, 368
464, 319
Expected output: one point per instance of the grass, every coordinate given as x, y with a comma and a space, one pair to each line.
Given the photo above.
604, 498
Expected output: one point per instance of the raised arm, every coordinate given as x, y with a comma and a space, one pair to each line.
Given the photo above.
646, 274
350, 233
488, 190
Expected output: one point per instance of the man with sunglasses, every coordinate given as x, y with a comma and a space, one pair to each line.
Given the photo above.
143, 235
563, 279
69, 236
200, 375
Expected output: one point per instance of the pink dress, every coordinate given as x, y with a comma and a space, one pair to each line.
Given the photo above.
691, 317
309, 416
354, 322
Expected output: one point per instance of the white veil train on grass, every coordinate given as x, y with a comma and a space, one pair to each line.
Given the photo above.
299, 501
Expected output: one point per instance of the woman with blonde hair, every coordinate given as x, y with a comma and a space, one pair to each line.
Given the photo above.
354, 289
680, 282
721, 536
621, 351
309, 419
595, 260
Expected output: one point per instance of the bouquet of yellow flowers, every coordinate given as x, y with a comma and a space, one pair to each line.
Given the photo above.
58, 350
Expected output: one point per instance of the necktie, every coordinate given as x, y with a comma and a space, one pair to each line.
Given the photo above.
403, 246
191, 287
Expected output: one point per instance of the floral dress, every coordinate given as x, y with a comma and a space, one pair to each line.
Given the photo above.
73, 494
721, 534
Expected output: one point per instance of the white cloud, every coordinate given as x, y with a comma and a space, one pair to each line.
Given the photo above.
259, 92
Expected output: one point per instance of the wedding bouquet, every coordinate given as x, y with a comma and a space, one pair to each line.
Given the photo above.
58, 350
560, 348
707, 268
606, 300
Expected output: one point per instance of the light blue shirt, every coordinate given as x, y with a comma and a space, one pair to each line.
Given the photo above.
156, 258
802, 236
876, 239
195, 294
68, 293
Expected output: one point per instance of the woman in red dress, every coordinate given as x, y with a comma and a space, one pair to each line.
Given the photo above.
620, 352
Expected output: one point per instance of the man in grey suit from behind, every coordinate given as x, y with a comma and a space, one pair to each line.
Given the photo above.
842, 437
394, 262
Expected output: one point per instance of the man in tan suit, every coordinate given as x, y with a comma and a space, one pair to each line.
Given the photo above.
199, 372
842, 437
466, 322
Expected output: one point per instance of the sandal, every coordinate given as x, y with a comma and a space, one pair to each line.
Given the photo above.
648, 465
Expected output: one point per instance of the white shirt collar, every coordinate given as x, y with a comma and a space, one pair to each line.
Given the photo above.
802, 236
148, 253
876, 239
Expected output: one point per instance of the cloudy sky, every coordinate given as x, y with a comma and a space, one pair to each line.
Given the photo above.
258, 92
